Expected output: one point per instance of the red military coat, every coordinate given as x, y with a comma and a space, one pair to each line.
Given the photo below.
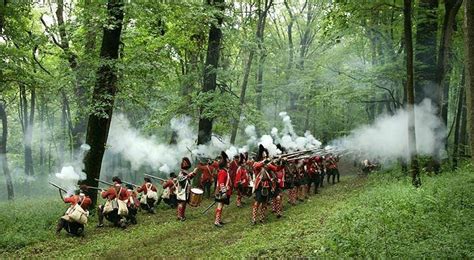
224, 181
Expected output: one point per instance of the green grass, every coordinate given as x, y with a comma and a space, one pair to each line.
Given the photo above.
377, 216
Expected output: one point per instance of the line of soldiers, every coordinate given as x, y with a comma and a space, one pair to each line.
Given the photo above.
266, 179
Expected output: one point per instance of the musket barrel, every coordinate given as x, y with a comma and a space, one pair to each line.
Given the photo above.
154, 177
104, 182
134, 185
57, 186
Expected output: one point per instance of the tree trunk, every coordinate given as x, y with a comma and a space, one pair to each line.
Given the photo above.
80, 70
27, 120
469, 60
412, 153
41, 112
262, 17
104, 93
210, 69
463, 139
425, 68
457, 126
243, 90
449, 23
3, 4
3, 152
425, 53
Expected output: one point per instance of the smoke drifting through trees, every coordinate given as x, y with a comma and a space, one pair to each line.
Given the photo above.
147, 151
386, 139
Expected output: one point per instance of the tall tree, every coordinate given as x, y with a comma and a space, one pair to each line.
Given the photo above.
412, 153
27, 121
3, 151
262, 18
104, 94
210, 69
444, 53
425, 52
469, 60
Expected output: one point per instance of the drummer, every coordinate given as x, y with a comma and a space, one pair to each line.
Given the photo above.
183, 187
242, 180
224, 189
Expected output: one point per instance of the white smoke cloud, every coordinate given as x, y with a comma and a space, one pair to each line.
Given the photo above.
291, 141
387, 138
141, 150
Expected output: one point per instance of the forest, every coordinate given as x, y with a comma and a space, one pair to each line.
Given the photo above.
91, 89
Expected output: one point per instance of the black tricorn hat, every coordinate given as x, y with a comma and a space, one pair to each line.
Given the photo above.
261, 151
116, 179
185, 163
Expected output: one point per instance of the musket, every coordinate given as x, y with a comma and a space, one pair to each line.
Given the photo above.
154, 177
134, 185
94, 188
210, 206
59, 187
104, 182
298, 153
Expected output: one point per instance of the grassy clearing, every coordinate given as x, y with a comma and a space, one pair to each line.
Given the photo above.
359, 217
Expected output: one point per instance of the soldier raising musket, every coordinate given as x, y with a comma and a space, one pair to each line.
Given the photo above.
76, 215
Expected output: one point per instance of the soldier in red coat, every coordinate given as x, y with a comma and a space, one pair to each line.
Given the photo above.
234, 164
242, 180
132, 204
224, 190
290, 182
279, 184
149, 196
207, 177
313, 175
263, 187
183, 187
110, 209
71, 226
169, 191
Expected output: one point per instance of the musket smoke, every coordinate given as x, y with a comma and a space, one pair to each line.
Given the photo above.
387, 138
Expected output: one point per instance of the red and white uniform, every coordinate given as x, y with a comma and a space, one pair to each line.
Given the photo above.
144, 188
242, 177
224, 181
233, 166
75, 199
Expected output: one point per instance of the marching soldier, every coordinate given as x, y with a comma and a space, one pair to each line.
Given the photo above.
242, 180
224, 189
313, 176
207, 177
279, 184
183, 187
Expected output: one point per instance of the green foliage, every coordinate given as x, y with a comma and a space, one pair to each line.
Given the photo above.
27, 221
393, 219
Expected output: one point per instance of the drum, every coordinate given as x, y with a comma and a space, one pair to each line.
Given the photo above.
196, 197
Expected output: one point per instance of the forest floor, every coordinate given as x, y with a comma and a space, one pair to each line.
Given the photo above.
379, 215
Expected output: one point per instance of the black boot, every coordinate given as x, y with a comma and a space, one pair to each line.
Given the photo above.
60, 226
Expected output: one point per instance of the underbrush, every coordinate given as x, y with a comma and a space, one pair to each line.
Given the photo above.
27, 221
394, 219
